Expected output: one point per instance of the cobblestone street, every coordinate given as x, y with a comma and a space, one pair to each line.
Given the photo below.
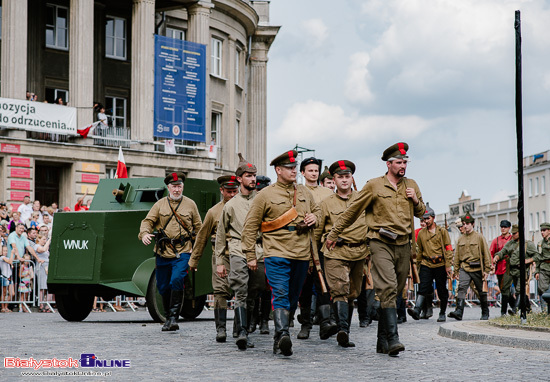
192, 353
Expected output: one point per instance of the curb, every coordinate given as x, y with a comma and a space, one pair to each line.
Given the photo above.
484, 333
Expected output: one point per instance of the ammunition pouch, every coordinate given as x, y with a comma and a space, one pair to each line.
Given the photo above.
302, 228
163, 241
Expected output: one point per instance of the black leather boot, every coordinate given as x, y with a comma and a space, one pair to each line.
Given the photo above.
429, 306
305, 317
291, 319
282, 341
442, 309
513, 302
326, 327
382, 340
166, 303
264, 314
415, 312
503, 304
253, 315
220, 317
236, 324
342, 311
390, 320
176, 301
459, 311
484, 306
242, 339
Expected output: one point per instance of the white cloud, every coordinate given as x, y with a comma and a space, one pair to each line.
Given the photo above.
315, 32
502, 195
357, 83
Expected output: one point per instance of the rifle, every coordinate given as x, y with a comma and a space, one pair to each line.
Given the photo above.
485, 288
316, 261
368, 277
415, 278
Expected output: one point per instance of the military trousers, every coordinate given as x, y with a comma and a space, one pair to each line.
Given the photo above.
544, 281
344, 278
286, 278
220, 285
390, 268
464, 279
246, 284
171, 272
365, 302
427, 277
312, 282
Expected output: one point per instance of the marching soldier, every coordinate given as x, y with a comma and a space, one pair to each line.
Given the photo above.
246, 283
310, 168
542, 260
510, 253
326, 180
472, 262
390, 202
285, 213
435, 255
344, 263
228, 188
176, 219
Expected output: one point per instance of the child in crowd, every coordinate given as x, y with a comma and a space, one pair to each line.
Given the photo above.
5, 278
26, 275
33, 222
43, 252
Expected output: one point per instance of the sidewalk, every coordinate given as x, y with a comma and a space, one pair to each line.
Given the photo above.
484, 333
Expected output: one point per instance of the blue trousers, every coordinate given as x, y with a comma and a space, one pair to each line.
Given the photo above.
171, 272
286, 278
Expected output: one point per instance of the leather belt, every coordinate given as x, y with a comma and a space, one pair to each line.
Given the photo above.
546, 261
350, 245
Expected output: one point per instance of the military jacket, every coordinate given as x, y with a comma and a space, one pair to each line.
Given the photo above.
431, 246
542, 256
230, 227
208, 231
270, 204
510, 252
319, 193
472, 248
161, 213
331, 209
385, 207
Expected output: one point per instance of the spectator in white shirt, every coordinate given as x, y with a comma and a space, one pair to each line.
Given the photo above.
25, 209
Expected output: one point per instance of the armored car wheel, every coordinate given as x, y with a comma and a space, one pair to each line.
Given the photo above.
190, 312
154, 301
76, 305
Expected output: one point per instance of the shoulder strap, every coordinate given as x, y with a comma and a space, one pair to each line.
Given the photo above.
413, 236
173, 212
178, 217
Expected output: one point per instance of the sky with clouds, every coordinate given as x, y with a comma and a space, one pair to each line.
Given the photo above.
349, 78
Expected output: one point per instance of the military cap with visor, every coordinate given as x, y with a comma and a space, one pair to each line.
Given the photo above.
325, 175
286, 159
468, 218
311, 160
429, 212
515, 228
262, 182
228, 181
505, 223
245, 166
396, 151
342, 167
545, 226
175, 178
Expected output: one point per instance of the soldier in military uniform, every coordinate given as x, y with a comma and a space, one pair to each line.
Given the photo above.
285, 213
510, 253
389, 202
542, 260
472, 262
326, 180
310, 168
435, 255
176, 219
345, 262
222, 292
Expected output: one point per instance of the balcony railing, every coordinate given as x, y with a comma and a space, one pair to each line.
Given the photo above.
112, 137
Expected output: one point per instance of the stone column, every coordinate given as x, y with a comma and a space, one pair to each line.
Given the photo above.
81, 60
143, 70
14, 49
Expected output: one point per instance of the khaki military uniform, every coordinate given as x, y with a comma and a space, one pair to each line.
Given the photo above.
510, 253
220, 285
388, 208
344, 264
319, 193
246, 284
542, 261
471, 254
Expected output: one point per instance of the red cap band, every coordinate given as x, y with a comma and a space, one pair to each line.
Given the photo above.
401, 148
342, 164
233, 178
175, 176
291, 156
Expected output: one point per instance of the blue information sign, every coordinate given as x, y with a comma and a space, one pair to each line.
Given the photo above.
180, 89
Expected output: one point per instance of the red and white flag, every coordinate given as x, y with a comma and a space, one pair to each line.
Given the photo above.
121, 171
84, 131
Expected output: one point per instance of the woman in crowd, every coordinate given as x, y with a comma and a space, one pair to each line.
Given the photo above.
26, 275
43, 252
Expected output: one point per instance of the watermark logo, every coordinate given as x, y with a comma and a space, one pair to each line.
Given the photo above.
90, 360
86, 360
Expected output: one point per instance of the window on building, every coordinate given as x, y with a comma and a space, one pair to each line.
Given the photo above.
115, 108
57, 27
216, 63
536, 186
115, 38
537, 225
110, 172
544, 217
543, 185
175, 33
530, 222
237, 66
237, 133
215, 128
530, 187
53, 95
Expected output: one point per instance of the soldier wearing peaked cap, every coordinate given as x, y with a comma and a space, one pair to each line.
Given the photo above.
497, 245
285, 213
326, 180
435, 254
229, 187
245, 280
542, 260
389, 203
472, 262
176, 219
344, 263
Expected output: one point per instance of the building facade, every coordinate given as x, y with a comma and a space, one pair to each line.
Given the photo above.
536, 172
85, 52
